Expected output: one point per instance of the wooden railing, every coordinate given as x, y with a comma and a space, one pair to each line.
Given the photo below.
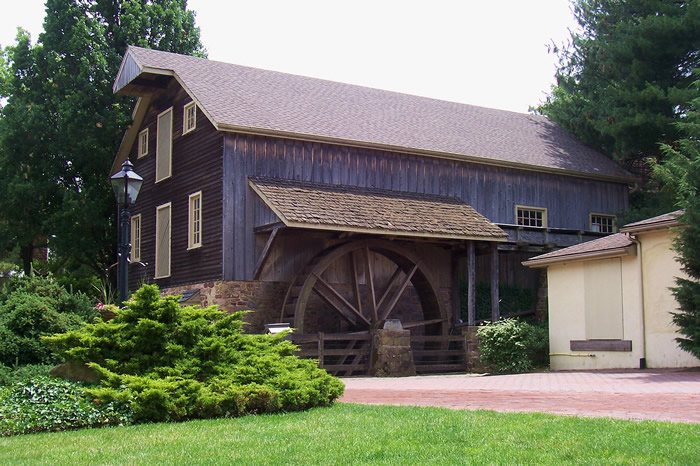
439, 353
341, 354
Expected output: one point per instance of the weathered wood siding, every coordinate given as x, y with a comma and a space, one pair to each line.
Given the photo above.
493, 191
196, 166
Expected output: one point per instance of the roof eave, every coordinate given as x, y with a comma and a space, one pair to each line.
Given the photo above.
665, 224
630, 250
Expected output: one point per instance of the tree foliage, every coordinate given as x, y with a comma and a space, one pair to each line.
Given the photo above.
172, 363
624, 78
61, 125
680, 173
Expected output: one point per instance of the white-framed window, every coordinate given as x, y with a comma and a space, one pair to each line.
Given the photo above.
164, 145
530, 216
136, 238
143, 143
195, 221
603, 223
163, 240
189, 119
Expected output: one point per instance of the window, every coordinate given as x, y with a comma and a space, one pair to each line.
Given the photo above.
143, 143
163, 241
195, 222
531, 216
189, 120
603, 223
164, 145
136, 238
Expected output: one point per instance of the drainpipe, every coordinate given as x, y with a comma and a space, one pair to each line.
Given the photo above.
643, 359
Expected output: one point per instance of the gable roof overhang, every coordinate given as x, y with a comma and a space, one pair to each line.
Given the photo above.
608, 247
319, 206
251, 101
660, 222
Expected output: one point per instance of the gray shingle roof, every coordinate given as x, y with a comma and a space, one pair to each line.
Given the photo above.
349, 208
247, 99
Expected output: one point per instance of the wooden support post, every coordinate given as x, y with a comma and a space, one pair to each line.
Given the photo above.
265, 253
471, 284
495, 310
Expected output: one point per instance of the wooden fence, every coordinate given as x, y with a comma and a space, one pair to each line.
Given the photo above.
348, 354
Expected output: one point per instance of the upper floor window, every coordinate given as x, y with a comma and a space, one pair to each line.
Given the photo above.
195, 221
143, 143
531, 216
189, 120
136, 238
603, 223
164, 145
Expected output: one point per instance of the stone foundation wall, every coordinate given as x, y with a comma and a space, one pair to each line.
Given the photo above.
474, 363
263, 298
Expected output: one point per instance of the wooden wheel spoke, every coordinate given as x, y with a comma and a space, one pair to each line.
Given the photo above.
338, 301
369, 278
399, 292
355, 281
389, 285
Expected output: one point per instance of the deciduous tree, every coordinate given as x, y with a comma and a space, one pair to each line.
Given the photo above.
62, 125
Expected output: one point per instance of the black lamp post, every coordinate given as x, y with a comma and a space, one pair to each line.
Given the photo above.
126, 184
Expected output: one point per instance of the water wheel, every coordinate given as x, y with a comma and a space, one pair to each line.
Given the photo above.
365, 300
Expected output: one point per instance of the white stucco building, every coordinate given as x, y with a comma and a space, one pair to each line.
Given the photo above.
610, 305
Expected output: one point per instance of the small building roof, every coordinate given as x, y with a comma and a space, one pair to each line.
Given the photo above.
655, 223
255, 101
615, 245
619, 244
320, 206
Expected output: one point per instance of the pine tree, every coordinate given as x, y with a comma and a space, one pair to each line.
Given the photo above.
681, 174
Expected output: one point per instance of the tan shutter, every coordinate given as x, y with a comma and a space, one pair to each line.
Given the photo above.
163, 241
136, 238
164, 145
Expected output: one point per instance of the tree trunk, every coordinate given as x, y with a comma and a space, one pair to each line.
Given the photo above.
27, 253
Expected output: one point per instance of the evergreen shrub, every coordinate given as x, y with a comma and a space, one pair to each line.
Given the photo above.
31, 307
511, 345
172, 363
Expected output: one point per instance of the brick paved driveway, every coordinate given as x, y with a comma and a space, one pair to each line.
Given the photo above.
664, 395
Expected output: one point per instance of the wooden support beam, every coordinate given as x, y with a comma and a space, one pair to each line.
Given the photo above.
340, 298
265, 253
471, 284
399, 292
495, 298
421, 323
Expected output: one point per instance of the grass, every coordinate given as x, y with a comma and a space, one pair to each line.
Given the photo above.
356, 434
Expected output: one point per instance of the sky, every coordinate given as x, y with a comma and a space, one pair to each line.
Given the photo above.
488, 53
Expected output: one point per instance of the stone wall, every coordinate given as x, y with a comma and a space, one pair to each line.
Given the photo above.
263, 298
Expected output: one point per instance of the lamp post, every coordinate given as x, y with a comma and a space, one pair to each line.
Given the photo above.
126, 184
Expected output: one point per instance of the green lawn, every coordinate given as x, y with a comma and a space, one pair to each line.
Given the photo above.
355, 434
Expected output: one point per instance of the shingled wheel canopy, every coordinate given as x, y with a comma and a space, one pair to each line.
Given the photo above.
368, 304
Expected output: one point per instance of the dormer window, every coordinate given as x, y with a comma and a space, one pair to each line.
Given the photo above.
189, 121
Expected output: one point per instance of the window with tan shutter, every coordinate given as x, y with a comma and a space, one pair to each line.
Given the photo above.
164, 145
163, 241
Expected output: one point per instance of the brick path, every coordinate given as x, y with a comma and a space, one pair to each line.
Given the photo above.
663, 395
